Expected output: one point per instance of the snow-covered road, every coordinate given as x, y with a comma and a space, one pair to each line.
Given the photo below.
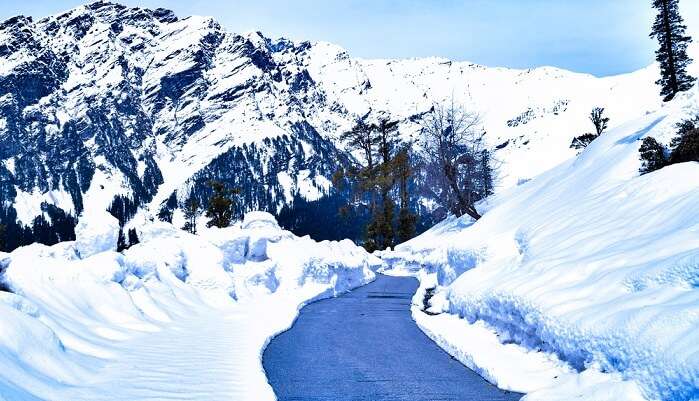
365, 346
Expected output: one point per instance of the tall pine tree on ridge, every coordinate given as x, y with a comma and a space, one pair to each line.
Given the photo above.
670, 30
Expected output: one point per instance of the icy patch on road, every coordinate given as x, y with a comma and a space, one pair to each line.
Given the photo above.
176, 315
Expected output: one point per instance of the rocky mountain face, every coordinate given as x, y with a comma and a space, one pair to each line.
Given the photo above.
134, 110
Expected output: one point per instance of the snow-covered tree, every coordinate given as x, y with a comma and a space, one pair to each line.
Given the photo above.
669, 30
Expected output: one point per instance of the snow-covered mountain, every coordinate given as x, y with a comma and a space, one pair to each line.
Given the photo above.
135, 109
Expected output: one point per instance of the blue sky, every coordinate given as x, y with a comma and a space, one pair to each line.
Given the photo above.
601, 37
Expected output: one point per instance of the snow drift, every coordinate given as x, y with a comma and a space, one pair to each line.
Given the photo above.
590, 263
84, 321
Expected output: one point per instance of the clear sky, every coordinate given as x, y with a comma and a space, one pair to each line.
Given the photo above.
602, 37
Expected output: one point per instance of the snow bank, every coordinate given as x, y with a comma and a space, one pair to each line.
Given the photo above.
97, 231
588, 263
84, 321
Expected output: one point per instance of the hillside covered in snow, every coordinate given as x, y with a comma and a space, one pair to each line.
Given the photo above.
176, 314
582, 283
135, 110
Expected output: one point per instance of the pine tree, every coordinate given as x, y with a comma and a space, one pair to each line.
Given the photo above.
387, 139
652, 155
669, 30
191, 212
121, 242
362, 137
2, 237
220, 208
406, 219
685, 146
133, 237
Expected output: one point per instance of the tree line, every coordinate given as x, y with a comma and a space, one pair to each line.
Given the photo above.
220, 209
450, 161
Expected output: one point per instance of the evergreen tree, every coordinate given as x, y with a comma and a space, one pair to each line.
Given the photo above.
221, 203
652, 155
387, 138
133, 237
685, 146
2, 237
121, 242
407, 220
385, 178
669, 30
362, 138
486, 174
191, 211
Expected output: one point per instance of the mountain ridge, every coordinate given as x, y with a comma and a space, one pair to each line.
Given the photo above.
133, 106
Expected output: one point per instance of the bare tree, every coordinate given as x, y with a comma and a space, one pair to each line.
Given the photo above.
458, 165
599, 120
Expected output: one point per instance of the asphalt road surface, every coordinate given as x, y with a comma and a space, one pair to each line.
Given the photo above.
365, 346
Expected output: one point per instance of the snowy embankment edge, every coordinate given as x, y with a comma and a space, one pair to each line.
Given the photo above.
240, 273
541, 376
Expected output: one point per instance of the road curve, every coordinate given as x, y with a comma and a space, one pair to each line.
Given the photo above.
364, 345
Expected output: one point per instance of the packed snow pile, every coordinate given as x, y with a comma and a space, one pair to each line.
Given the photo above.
589, 263
176, 311
96, 232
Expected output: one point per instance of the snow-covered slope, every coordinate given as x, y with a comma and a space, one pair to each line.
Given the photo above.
110, 105
177, 315
590, 263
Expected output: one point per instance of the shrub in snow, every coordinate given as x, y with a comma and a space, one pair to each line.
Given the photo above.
685, 146
97, 231
652, 155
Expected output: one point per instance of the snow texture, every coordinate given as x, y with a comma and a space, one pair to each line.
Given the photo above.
176, 314
587, 268
96, 232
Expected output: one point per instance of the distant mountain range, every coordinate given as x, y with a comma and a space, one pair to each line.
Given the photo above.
107, 106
